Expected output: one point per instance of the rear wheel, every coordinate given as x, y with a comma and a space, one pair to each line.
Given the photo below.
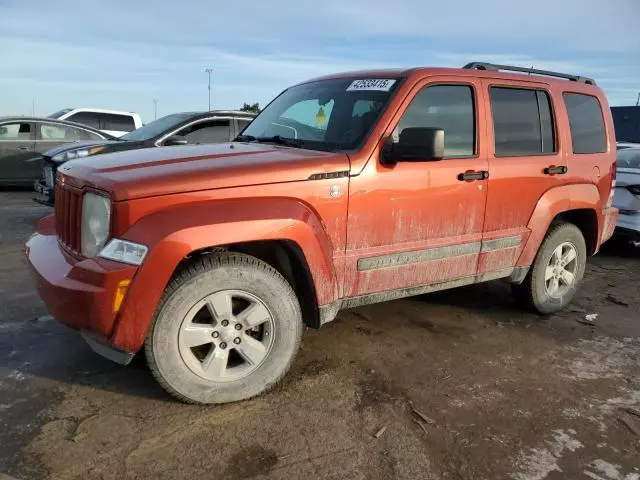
227, 329
556, 272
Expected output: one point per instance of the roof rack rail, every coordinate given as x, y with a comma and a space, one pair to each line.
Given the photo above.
511, 68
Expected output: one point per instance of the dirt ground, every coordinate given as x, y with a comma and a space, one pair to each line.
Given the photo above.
504, 394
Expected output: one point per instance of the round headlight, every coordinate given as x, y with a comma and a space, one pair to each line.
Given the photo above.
96, 220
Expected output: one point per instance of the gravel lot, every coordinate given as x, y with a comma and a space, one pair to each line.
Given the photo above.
504, 394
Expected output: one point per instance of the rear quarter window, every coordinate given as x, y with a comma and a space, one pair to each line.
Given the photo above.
588, 133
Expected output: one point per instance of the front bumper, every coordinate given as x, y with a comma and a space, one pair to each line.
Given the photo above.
78, 292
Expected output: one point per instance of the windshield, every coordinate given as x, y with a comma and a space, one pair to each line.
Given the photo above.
325, 115
60, 113
155, 128
629, 158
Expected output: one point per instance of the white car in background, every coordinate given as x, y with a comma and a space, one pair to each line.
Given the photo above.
112, 122
627, 194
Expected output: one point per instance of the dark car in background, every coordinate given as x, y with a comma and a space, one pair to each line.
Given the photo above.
627, 124
24, 139
217, 126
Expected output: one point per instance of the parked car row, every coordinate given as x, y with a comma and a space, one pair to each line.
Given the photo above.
32, 149
193, 128
23, 140
112, 122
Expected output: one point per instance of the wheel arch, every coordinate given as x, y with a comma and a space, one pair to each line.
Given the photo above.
285, 256
586, 220
579, 204
284, 233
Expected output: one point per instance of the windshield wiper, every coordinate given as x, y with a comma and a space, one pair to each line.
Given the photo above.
245, 138
289, 142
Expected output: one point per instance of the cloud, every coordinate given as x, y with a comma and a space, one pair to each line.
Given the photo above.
123, 53
568, 24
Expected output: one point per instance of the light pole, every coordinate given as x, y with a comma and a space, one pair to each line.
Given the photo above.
209, 70
155, 108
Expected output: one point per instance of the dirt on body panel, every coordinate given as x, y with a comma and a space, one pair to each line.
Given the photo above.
509, 395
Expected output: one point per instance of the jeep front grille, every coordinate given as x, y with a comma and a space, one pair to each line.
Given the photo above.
68, 213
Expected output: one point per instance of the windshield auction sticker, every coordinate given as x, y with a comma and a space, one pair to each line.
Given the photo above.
378, 84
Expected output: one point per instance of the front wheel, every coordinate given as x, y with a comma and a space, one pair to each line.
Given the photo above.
556, 272
227, 329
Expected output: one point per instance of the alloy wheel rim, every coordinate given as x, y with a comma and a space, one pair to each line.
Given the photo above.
560, 273
226, 336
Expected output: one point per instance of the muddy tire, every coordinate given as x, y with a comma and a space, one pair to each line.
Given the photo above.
227, 328
556, 272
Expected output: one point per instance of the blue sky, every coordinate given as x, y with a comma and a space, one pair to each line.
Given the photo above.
124, 54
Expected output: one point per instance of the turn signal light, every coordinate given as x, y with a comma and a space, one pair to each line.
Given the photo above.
121, 291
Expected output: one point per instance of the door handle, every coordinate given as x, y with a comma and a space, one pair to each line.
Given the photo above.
471, 175
553, 170
23, 147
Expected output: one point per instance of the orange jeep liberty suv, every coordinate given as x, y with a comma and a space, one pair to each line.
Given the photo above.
346, 190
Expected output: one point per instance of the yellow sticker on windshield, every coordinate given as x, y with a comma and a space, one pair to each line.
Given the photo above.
320, 117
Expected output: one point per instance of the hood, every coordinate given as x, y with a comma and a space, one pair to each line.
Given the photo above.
166, 170
77, 145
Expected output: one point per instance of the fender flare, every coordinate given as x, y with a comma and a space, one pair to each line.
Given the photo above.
552, 203
173, 234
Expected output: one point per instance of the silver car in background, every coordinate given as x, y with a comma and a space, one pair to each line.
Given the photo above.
627, 194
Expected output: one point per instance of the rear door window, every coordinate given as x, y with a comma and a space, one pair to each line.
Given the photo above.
522, 121
588, 134
62, 133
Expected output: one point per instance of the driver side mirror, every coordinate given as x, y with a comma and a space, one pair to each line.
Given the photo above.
415, 144
175, 140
